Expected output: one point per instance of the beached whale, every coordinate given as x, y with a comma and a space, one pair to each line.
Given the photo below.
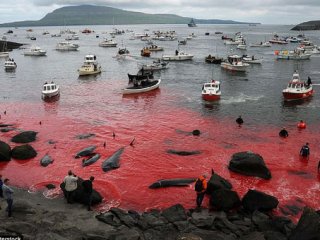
46, 160
85, 152
178, 182
90, 160
113, 161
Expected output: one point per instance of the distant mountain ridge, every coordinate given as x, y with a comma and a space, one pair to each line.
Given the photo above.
310, 25
101, 15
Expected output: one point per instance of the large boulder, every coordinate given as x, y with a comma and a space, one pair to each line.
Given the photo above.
5, 151
224, 199
308, 227
79, 195
175, 213
24, 137
256, 200
217, 182
23, 152
250, 164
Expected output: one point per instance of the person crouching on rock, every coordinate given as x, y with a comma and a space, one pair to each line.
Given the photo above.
200, 187
284, 133
70, 185
87, 188
305, 151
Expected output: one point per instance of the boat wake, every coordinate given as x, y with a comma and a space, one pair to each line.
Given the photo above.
240, 99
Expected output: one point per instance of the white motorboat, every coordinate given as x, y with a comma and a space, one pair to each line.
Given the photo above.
67, 46
292, 55
72, 37
10, 64
90, 66
50, 90
211, 91
261, 44
142, 82
123, 53
235, 63
4, 54
35, 51
251, 59
179, 56
156, 65
108, 43
297, 89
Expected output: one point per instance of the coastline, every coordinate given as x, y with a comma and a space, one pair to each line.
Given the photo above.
35, 217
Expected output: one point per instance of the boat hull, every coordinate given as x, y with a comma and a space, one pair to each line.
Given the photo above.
86, 73
294, 57
176, 58
210, 97
290, 96
130, 90
35, 53
237, 68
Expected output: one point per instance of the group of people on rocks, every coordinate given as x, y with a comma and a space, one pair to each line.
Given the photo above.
71, 185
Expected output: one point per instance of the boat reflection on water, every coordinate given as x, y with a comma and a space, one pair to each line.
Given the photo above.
51, 99
294, 103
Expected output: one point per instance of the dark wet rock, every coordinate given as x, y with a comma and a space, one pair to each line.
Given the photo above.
124, 217
175, 213
250, 164
25, 137
308, 227
283, 225
253, 236
5, 152
183, 153
50, 186
23, 207
124, 233
256, 200
196, 132
164, 232
79, 195
216, 235
24, 228
46, 160
85, 136
23, 152
271, 235
188, 236
109, 218
224, 199
217, 182
203, 219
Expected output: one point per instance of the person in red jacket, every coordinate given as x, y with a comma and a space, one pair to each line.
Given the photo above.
200, 188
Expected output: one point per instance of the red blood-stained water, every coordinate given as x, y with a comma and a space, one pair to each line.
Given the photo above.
157, 125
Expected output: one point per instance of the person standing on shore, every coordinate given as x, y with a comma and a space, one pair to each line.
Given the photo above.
1, 184
200, 187
70, 185
87, 188
7, 194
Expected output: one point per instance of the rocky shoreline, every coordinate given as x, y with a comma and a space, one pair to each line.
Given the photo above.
35, 217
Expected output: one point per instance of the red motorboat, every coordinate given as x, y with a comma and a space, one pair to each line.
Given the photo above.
211, 91
297, 89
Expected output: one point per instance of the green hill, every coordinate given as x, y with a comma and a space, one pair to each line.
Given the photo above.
311, 25
99, 15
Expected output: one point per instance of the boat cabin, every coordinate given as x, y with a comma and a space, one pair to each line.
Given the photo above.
49, 86
90, 58
296, 83
141, 78
234, 59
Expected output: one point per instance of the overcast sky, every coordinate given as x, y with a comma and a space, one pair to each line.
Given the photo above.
263, 11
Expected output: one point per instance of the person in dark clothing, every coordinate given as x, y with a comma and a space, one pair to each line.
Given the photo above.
284, 133
305, 151
239, 120
200, 188
309, 82
87, 188
1, 183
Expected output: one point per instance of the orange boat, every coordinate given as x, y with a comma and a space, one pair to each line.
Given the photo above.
145, 52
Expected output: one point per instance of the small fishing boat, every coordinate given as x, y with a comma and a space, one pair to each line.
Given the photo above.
297, 54
142, 82
108, 43
90, 66
211, 91
50, 90
251, 59
261, 44
145, 52
10, 64
182, 42
179, 56
156, 65
213, 59
192, 23
123, 53
155, 48
35, 51
67, 46
297, 89
235, 63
